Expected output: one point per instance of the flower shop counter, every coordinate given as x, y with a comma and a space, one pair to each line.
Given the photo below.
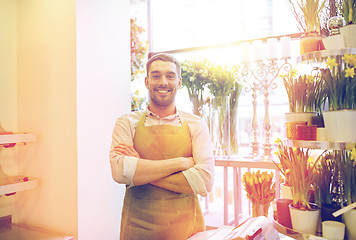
238, 164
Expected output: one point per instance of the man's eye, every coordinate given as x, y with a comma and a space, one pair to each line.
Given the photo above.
171, 76
155, 76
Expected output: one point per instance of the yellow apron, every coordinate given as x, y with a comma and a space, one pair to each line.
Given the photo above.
151, 212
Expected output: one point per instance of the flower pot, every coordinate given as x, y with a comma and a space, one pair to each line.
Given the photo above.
300, 116
334, 42
286, 192
350, 220
349, 33
311, 43
339, 125
305, 221
326, 211
306, 132
283, 214
292, 129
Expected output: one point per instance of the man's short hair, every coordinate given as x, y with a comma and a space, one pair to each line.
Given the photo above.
166, 58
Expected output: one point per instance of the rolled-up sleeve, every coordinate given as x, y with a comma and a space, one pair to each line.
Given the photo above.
122, 167
201, 176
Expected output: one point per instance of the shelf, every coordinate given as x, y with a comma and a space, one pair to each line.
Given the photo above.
22, 232
13, 184
320, 55
17, 138
317, 144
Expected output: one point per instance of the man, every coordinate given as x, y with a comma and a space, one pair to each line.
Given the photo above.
165, 158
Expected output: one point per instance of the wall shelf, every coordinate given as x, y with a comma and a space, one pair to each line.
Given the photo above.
23, 232
13, 184
17, 138
317, 144
322, 55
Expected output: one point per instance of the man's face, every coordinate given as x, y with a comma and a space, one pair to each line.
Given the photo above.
162, 83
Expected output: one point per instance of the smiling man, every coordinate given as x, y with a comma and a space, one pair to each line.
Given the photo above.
165, 158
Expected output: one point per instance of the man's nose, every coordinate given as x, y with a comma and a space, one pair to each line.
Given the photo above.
163, 81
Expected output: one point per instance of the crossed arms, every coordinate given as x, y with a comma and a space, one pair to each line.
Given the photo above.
162, 173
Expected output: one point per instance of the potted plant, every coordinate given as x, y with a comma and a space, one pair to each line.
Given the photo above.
308, 15
260, 191
306, 97
348, 11
304, 215
283, 166
325, 185
340, 87
348, 170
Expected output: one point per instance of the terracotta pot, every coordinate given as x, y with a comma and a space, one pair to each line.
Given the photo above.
311, 43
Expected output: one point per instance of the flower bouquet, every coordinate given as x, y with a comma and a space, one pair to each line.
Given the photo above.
260, 191
225, 91
195, 76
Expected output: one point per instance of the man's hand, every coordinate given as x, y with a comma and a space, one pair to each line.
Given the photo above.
123, 149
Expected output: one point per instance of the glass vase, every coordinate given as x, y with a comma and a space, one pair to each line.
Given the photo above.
220, 125
260, 209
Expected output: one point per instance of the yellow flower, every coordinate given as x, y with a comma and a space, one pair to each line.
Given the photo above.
331, 62
349, 59
137, 92
353, 154
349, 72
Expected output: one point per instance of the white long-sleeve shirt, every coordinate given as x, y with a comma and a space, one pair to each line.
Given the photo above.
200, 177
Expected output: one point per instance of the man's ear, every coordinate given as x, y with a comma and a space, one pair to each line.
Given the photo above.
146, 82
180, 82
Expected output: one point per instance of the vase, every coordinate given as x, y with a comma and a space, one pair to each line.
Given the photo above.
339, 125
311, 42
349, 33
220, 125
350, 220
259, 209
234, 125
305, 221
197, 103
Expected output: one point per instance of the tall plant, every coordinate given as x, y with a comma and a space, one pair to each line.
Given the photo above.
308, 14
348, 11
340, 82
305, 92
300, 173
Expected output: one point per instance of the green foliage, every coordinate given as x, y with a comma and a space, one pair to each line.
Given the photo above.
299, 171
138, 49
308, 14
348, 11
305, 92
340, 82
